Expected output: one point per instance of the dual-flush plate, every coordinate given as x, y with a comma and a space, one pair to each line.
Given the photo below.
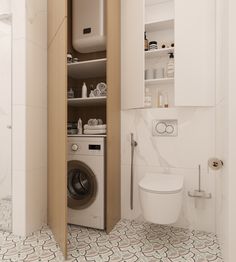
167, 127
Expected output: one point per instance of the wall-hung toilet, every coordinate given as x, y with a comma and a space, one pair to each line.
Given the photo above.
161, 197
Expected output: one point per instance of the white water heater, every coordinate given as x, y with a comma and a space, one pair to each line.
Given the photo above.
88, 25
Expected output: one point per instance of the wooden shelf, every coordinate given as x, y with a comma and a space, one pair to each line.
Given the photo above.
159, 25
86, 135
171, 109
87, 69
90, 101
154, 2
159, 52
164, 81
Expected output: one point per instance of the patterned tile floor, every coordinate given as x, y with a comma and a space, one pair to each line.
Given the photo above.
5, 214
130, 241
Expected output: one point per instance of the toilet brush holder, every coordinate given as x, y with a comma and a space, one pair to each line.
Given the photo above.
199, 193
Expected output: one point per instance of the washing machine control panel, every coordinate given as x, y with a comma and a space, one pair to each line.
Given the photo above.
86, 146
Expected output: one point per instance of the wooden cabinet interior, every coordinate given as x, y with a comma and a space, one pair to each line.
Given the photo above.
85, 113
109, 112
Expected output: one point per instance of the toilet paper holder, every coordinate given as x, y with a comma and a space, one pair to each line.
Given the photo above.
199, 193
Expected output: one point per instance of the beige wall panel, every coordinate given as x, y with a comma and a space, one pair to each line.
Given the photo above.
113, 189
57, 11
57, 134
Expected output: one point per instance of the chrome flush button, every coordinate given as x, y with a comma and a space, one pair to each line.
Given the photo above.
161, 128
165, 127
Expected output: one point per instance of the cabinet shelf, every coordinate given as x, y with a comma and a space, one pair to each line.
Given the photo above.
86, 135
158, 52
90, 101
159, 25
87, 69
153, 82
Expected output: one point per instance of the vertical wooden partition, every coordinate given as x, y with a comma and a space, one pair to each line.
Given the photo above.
57, 120
113, 194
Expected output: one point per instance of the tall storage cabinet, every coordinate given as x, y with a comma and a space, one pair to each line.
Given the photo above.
58, 44
184, 28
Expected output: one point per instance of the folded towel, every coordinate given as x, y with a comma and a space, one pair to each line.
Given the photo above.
97, 127
94, 122
95, 132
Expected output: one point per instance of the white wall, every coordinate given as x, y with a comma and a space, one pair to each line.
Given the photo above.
36, 113
222, 122
18, 117
194, 145
5, 108
226, 130
29, 115
232, 132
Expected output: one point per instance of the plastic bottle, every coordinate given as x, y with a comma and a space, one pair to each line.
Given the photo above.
80, 127
160, 100
84, 90
148, 98
171, 66
146, 44
166, 101
71, 93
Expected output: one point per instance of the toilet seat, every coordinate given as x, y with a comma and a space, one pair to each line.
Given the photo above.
162, 183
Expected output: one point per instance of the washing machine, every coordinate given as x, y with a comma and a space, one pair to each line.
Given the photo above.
85, 181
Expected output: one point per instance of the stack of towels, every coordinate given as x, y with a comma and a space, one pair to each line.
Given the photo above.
95, 127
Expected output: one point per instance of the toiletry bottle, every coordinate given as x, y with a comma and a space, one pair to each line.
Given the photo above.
160, 100
80, 127
146, 44
166, 101
70, 93
84, 90
171, 66
148, 98
157, 98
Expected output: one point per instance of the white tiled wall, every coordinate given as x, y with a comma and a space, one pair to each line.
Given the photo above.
19, 117
29, 115
36, 100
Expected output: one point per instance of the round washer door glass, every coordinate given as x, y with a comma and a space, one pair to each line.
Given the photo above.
81, 185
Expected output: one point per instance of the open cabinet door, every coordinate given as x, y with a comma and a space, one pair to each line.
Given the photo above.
57, 119
133, 63
113, 188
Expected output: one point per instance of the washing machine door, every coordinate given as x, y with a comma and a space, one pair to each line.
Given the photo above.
81, 185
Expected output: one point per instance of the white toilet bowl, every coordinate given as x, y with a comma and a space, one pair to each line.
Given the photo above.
161, 197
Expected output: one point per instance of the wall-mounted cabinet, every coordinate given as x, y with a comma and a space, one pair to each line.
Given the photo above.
178, 67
